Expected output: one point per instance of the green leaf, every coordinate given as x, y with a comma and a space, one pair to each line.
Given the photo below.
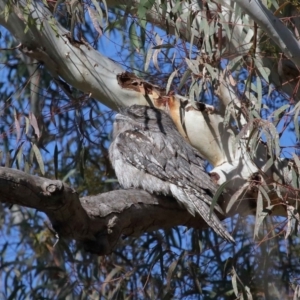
163, 46
225, 25
260, 214
274, 291
264, 194
7, 9
234, 63
237, 195
217, 195
295, 179
234, 281
26, 165
259, 94
293, 220
17, 155
105, 8
227, 115
27, 123
184, 79
20, 156
172, 269
253, 141
212, 71
297, 293
17, 125
278, 111
170, 79
69, 174
82, 161
39, 158
177, 8
296, 120
193, 87
34, 123
191, 42
161, 262
55, 155
133, 36
98, 13
262, 71
275, 139
193, 65
248, 293
148, 58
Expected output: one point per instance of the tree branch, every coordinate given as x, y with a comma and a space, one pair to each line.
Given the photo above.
96, 221
273, 27
81, 66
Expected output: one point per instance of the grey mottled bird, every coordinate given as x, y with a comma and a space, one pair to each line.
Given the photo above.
149, 153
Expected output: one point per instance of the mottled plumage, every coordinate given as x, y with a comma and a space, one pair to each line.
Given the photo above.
149, 153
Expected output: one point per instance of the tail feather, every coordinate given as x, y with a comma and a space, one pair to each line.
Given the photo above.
213, 221
194, 204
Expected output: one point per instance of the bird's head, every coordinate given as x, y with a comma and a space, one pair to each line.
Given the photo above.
140, 117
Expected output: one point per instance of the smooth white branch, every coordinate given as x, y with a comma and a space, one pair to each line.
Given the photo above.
81, 66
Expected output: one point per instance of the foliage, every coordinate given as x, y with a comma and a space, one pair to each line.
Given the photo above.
49, 128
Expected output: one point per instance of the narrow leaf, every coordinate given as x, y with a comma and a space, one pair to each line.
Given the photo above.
293, 220
17, 152
268, 164
184, 78
98, 11
69, 174
259, 94
216, 196
39, 158
297, 289
133, 36
234, 282
234, 63
34, 124
172, 269
20, 156
278, 111
264, 194
297, 161
248, 293
17, 125
174, 73
295, 179
167, 46
56, 161
148, 58
260, 214
237, 196
296, 119
212, 71
193, 65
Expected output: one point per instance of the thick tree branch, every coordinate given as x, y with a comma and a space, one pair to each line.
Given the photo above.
273, 27
96, 221
78, 64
